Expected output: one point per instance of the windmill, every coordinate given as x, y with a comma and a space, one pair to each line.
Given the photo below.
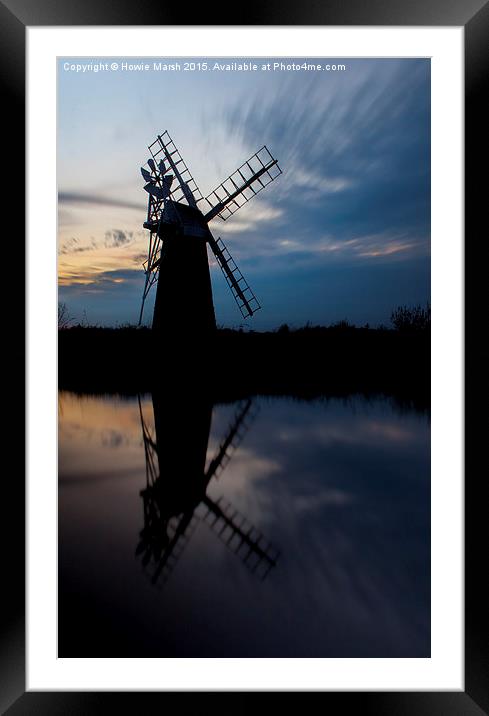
175, 497
178, 224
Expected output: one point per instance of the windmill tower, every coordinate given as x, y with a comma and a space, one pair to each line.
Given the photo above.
175, 497
178, 224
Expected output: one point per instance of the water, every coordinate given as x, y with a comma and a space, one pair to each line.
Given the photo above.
309, 538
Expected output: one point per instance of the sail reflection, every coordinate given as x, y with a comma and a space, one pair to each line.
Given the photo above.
175, 497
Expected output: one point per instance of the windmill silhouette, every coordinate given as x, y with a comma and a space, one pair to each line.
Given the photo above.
178, 219
176, 488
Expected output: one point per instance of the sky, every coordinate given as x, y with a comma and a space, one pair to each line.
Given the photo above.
343, 233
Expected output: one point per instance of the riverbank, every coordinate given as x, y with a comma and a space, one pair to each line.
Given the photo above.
308, 362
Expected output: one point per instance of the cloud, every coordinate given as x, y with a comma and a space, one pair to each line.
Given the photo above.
66, 217
295, 250
85, 262
370, 246
331, 497
100, 280
320, 184
74, 197
250, 217
355, 150
118, 237
113, 238
73, 246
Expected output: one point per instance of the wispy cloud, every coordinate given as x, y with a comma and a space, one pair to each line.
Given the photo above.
75, 197
355, 151
288, 249
250, 217
99, 279
84, 262
317, 183
331, 497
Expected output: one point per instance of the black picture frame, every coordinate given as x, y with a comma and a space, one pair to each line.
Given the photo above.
473, 15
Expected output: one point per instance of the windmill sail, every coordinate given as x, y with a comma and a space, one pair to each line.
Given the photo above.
240, 536
180, 531
242, 185
243, 295
164, 149
240, 426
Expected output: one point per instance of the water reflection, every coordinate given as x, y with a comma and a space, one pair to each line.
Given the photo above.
341, 486
177, 482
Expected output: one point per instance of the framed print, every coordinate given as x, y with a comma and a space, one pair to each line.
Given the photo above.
218, 501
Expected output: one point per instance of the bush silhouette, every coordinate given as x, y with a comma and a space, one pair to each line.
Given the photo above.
412, 318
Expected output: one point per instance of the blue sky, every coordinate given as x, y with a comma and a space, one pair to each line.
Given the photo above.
343, 233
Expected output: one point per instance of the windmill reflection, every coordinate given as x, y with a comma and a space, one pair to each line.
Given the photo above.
177, 481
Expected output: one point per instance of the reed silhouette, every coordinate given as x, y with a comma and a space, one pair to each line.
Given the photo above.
412, 318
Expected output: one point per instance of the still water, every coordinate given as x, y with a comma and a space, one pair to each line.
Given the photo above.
270, 527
